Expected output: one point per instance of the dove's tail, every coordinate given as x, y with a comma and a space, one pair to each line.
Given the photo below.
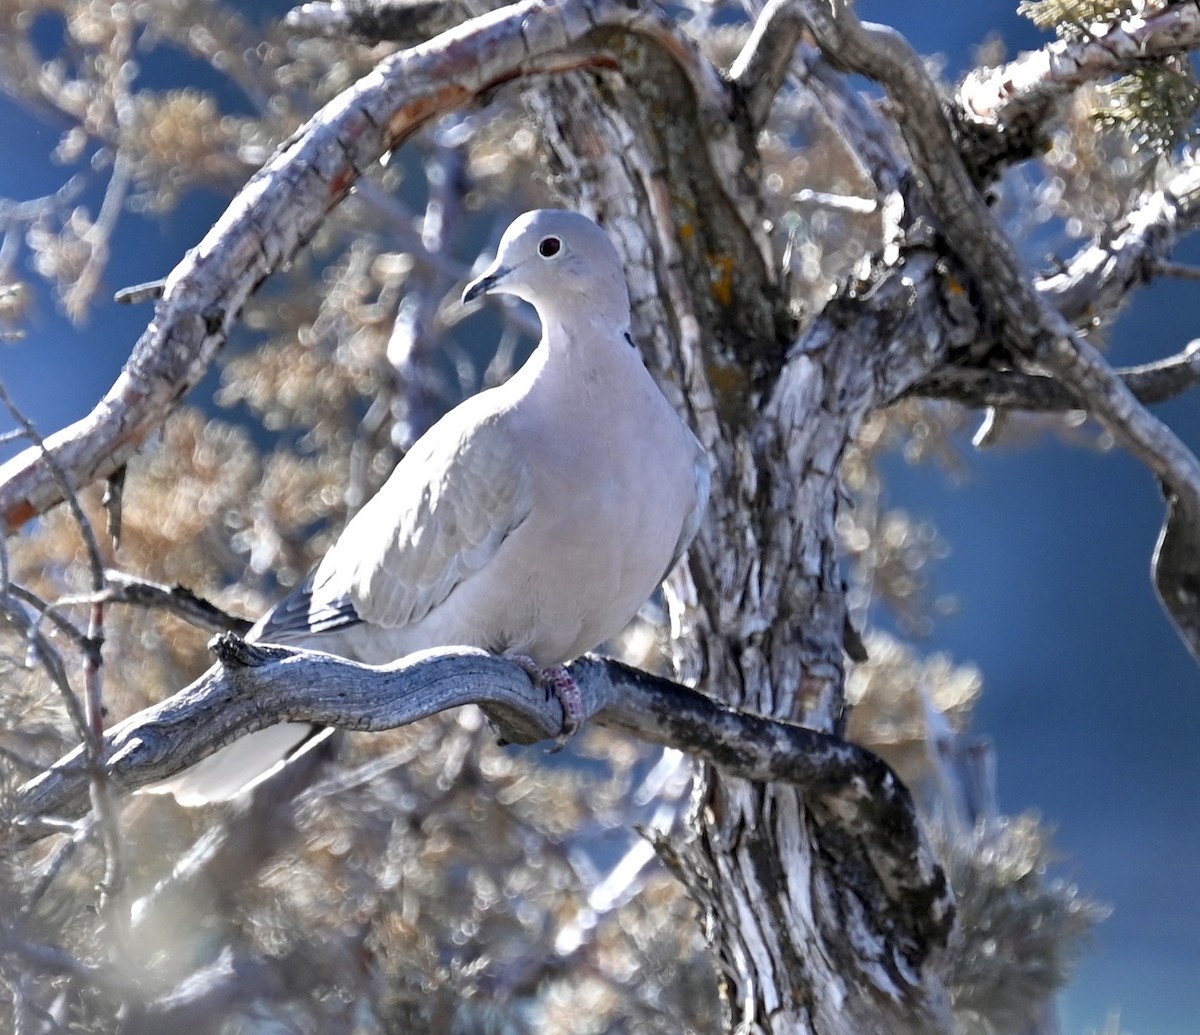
244, 764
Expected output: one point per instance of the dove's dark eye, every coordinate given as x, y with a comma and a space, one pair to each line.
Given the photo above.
548, 247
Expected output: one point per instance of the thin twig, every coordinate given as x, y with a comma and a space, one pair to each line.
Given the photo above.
124, 588
53, 612
90, 542
16, 614
144, 292
1178, 269
93, 700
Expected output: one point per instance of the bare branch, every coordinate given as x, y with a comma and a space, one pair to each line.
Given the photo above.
62, 483
1179, 270
1012, 389
140, 292
255, 685
285, 202
383, 21
16, 614
124, 588
1097, 280
765, 60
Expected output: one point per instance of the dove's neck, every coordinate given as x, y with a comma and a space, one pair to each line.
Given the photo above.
587, 348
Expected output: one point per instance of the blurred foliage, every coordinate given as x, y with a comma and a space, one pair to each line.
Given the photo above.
1078, 19
1155, 106
431, 881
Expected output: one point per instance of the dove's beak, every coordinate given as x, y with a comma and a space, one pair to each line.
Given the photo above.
484, 283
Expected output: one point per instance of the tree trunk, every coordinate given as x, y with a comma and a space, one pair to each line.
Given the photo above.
808, 935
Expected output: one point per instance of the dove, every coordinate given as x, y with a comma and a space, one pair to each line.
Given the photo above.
533, 520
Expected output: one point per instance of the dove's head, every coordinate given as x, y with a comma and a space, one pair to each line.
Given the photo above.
563, 265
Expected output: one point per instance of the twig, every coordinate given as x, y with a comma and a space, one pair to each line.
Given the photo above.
124, 588
93, 661
16, 614
80, 832
62, 482
840, 202
144, 292
1178, 269
53, 612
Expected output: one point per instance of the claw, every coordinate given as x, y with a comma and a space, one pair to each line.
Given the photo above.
557, 680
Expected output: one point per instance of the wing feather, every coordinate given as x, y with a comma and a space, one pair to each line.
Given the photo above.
441, 516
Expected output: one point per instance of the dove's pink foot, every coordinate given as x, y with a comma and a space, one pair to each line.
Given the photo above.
558, 680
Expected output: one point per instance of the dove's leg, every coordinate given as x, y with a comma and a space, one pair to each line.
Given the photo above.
558, 680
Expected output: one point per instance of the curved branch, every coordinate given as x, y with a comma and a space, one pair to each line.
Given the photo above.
255, 685
286, 201
1025, 323
765, 61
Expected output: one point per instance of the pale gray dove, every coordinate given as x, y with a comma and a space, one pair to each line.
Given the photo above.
532, 520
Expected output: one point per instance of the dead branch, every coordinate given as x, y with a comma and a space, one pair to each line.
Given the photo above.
1150, 383
766, 59
384, 21
1094, 284
123, 588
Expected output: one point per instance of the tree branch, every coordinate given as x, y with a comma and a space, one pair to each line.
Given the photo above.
1025, 324
1095, 283
765, 61
124, 588
1012, 389
383, 21
1015, 100
255, 685
283, 205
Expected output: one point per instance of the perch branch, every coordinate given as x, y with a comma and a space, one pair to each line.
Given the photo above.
255, 685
